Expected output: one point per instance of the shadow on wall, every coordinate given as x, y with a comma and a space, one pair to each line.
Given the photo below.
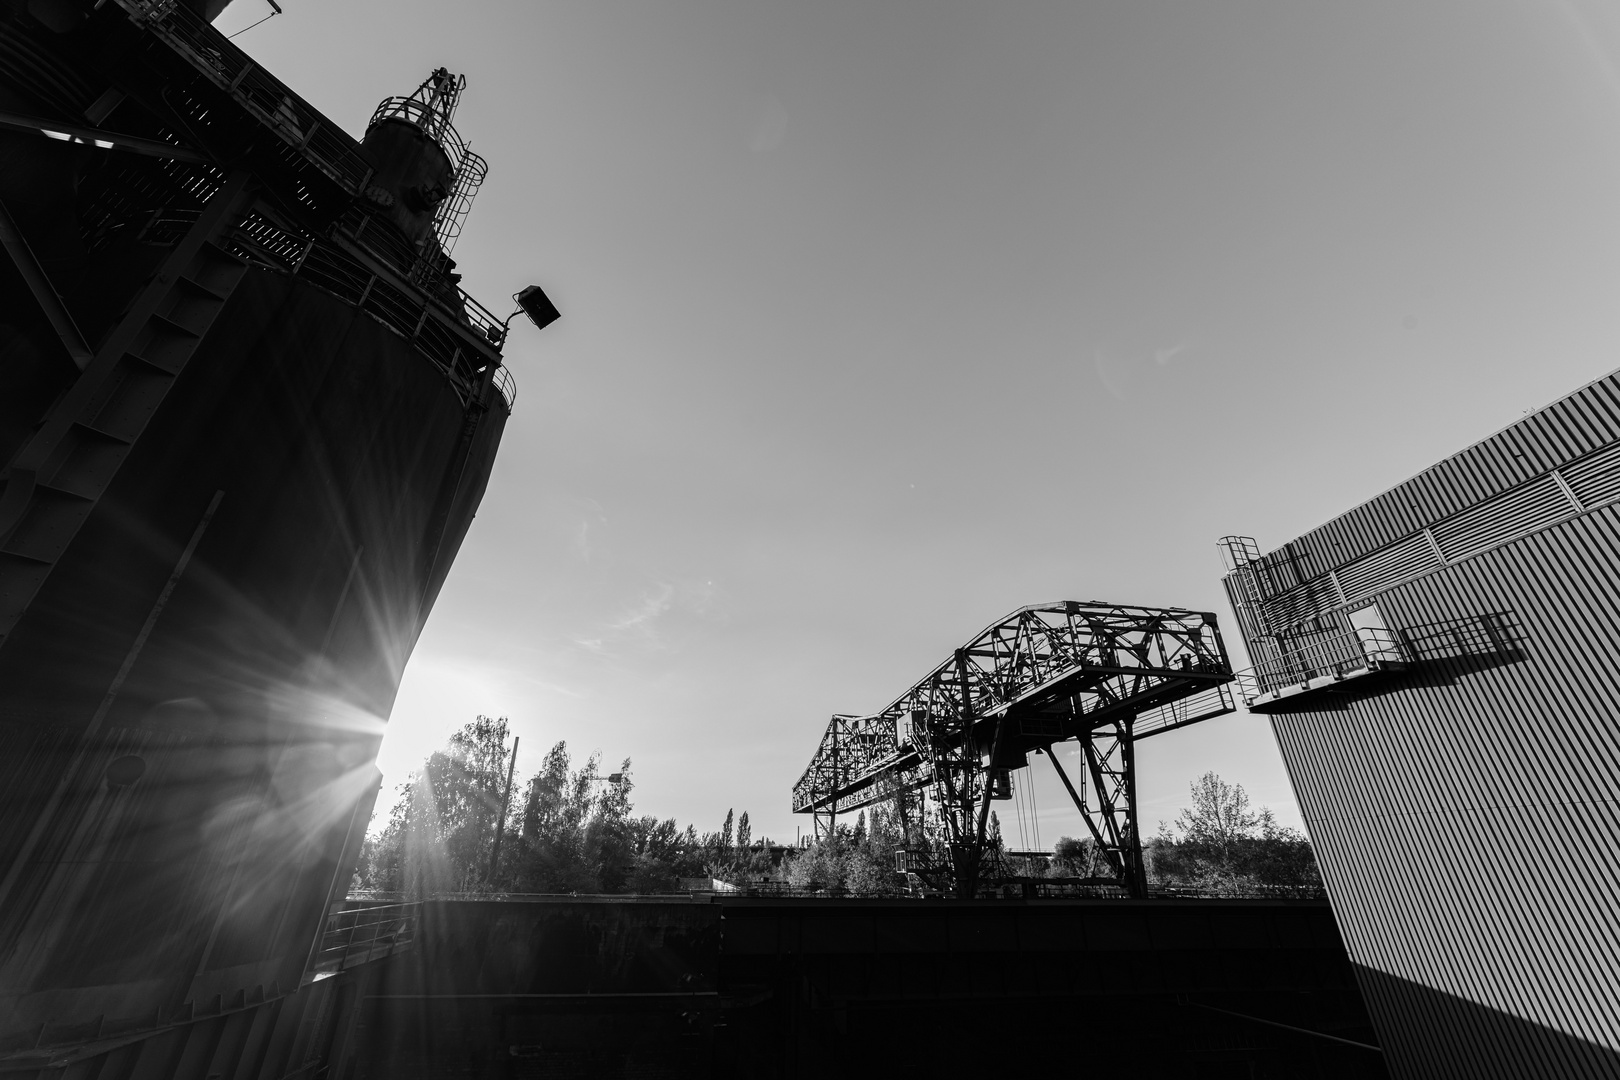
1441, 651
1439, 654
1428, 1034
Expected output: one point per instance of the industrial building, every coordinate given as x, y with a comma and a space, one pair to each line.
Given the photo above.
1441, 668
246, 416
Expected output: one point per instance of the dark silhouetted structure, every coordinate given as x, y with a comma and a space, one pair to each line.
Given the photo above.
759, 989
246, 416
1104, 674
1441, 666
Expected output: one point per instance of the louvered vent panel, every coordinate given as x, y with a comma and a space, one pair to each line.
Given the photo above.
1306, 602
1502, 518
1380, 570
1595, 479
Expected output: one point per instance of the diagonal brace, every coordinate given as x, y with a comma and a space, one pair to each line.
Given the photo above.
45, 294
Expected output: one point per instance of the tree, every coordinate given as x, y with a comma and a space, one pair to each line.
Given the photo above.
1081, 858
745, 834
576, 834
1222, 845
439, 835
1220, 816
857, 860
725, 831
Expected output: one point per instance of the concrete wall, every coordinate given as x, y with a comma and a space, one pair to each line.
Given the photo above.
765, 988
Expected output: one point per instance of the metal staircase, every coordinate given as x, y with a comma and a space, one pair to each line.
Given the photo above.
59, 475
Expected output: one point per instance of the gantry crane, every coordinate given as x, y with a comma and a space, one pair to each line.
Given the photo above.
1106, 675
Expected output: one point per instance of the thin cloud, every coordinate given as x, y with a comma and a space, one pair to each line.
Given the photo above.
1108, 378
647, 610
1164, 356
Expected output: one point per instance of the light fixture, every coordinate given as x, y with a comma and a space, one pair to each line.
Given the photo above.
532, 302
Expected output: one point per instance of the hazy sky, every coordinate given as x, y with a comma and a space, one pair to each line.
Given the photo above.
882, 319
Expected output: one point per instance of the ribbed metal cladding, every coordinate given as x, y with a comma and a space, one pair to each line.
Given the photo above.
1466, 811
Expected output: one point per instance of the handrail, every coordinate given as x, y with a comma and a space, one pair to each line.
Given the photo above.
467, 169
356, 935
324, 144
507, 385
1330, 656
306, 130
429, 121
454, 345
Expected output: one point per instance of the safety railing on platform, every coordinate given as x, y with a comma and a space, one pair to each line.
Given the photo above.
437, 334
507, 386
467, 169
357, 935
312, 136
1216, 701
325, 145
1330, 658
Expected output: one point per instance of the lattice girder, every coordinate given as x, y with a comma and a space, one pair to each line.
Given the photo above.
1042, 675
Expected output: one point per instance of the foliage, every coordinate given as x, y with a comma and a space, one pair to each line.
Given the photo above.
575, 833
857, 861
440, 833
1078, 858
1223, 846
568, 829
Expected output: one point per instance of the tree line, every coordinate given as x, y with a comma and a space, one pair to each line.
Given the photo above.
462, 824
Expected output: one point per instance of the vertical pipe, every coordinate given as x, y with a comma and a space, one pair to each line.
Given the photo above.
500, 823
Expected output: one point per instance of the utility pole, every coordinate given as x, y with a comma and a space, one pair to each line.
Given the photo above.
500, 822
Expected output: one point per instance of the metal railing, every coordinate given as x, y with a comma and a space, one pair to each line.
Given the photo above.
325, 145
438, 334
467, 169
1332, 656
356, 935
1216, 701
507, 386
312, 136
430, 120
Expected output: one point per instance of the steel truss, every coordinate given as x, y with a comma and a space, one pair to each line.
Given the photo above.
1106, 675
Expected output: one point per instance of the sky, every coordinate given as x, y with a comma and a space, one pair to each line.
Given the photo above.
883, 318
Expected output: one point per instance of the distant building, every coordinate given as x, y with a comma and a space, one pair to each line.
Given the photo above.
1441, 667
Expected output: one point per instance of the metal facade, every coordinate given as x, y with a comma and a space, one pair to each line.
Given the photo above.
1466, 807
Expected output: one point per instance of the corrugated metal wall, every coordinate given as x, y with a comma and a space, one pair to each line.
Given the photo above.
1466, 811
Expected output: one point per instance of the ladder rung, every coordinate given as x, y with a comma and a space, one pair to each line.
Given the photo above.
186, 330
200, 287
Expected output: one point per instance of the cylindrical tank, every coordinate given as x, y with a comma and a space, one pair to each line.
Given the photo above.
414, 174
219, 536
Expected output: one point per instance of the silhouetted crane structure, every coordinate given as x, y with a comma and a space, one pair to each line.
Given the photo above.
1106, 675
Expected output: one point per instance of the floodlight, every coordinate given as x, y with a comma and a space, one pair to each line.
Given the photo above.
534, 303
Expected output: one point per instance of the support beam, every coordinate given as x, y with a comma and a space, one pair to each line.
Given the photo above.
105, 140
1035, 678
45, 294
972, 858
1111, 761
1079, 803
